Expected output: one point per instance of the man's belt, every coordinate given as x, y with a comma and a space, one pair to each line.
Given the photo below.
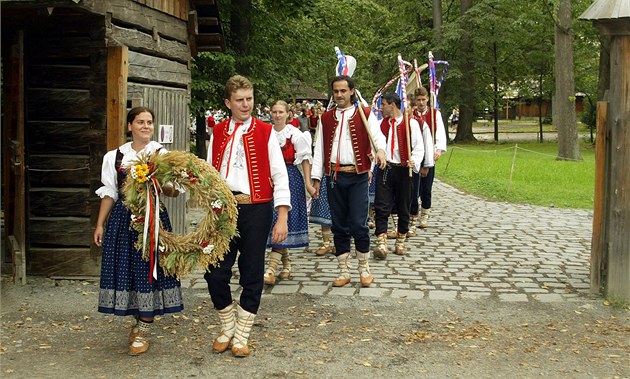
343, 168
243, 198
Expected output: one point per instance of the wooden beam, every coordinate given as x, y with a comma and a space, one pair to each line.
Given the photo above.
597, 259
66, 261
138, 41
134, 13
117, 73
146, 68
14, 164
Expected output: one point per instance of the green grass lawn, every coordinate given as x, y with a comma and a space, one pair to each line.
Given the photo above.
484, 170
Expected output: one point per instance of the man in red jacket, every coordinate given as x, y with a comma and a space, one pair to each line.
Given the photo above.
246, 153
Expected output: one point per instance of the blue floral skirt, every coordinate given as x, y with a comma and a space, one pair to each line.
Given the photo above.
125, 288
298, 220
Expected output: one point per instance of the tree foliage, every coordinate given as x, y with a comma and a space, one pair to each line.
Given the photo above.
290, 40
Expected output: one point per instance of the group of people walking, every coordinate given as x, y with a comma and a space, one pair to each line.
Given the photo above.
259, 162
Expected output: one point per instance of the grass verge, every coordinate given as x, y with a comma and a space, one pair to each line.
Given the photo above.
532, 176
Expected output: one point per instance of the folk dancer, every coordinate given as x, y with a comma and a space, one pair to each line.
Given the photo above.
296, 149
405, 151
433, 119
344, 148
246, 153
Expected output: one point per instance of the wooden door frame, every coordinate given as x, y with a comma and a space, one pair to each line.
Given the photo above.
14, 178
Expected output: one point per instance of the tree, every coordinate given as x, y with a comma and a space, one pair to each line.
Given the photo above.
240, 30
282, 41
467, 82
564, 99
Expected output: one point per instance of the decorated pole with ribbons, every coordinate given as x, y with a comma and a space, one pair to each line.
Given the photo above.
432, 94
345, 67
377, 97
366, 124
435, 86
405, 108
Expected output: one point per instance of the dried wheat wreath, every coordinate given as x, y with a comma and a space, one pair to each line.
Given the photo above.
179, 255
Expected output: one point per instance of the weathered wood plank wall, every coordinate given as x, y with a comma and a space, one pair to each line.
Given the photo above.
65, 90
66, 50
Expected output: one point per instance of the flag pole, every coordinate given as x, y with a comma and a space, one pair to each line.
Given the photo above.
403, 86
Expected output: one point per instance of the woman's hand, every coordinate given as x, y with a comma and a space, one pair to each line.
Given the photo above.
169, 190
311, 190
98, 235
316, 185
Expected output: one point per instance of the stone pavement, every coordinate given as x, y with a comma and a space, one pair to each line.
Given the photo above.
472, 249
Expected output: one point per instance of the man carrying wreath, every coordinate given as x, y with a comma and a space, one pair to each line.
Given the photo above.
246, 153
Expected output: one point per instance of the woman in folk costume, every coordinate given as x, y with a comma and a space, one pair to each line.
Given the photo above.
320, 215
296, 149
129, 286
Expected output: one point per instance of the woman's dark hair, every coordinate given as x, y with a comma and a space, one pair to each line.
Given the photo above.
131, 115
350, 82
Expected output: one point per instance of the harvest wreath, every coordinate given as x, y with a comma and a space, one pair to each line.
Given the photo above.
179, 255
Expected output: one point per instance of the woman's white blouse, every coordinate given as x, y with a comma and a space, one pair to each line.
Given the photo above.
109, 178
301, 143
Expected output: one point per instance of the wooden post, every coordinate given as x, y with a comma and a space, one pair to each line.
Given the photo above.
598, 212
117, 72
14, 163
618, 189
612, 19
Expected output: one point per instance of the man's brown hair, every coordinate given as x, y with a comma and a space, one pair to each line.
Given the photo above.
235, 83
421, 91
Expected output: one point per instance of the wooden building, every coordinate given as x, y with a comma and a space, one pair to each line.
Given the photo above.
71, 70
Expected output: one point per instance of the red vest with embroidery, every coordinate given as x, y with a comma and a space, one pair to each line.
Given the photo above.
401, 136
256, 155
358, 135
428, 119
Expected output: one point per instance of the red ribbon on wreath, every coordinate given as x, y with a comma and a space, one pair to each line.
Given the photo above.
152, 227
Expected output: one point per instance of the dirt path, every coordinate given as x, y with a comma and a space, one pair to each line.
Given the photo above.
51, 330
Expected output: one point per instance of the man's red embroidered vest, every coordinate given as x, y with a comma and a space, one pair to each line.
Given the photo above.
401, 136
358, 134
256, 155
422, 118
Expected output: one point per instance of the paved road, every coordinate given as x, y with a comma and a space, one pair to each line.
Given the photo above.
473, 249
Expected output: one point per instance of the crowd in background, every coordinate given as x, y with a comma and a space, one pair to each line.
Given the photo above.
303, 115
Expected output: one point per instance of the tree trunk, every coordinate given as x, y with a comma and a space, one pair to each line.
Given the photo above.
495, 92
438, 54
240, 30
437, 21
539, 100
467, 107
564, 106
